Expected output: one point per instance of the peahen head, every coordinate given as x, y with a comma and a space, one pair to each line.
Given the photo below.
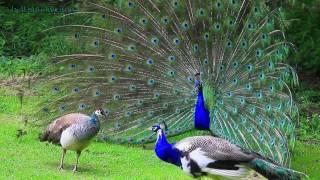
100, 112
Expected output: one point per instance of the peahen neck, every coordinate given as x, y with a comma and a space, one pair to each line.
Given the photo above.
94, 120
202, 115
166, 151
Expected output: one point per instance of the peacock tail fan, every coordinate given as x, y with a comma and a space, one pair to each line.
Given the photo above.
138, 61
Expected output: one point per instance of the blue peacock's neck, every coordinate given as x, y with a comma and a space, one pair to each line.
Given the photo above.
94, 120
202, 115
166, 151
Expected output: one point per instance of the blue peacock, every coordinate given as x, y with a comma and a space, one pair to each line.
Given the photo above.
207, 155
211, 65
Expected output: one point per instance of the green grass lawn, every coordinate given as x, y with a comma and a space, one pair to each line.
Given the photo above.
26, 157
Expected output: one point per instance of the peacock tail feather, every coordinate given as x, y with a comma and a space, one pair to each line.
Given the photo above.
139, 60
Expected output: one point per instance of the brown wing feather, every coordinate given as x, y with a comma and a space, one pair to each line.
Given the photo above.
54, 130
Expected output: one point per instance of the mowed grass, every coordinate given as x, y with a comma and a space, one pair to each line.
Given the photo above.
27, 158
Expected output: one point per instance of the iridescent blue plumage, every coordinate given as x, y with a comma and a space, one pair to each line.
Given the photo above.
164, 150
201, 115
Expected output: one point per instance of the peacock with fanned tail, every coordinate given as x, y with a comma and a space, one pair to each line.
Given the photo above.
210, 64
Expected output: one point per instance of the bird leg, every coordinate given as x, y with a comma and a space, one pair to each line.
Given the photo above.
76, 165
62, 158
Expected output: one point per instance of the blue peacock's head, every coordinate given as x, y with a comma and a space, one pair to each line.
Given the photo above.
198, 84
157, 127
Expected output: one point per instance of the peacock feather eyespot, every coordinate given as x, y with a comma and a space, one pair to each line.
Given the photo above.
185, 25
132, 88
171, 59
201, 12
176, 41
205, 61
140, 102
242, 100
229, 94
118, 30
250, 26
235, 110
156, 95
250, 130
96, 43
77, 35
229, 44
187, 100
221, 67
112, 56
165, 20
253, 110
151, 113
195, 48
190, 79
261, 137
249, 86
62, 107
272, 141
171, 73
116, 97
72, 66
143, 21
178, 110
235, 64
82, 106
150, 61
129, 68
218, 5
128, 114
165, 105
97, 93
262, 76
260, 121
107, 112
235, 81
259, 95
117, 125
130, 4
155, 40
104, 16
243, 44
131, 48
217, 26
268, 108
113, 78
91, 69
243, 120
259, 53
175, 3
151, 82
56, 89
206, 36
249, 68
76, 90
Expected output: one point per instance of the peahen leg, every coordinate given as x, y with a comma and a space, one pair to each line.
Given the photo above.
62, 158
76, 165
